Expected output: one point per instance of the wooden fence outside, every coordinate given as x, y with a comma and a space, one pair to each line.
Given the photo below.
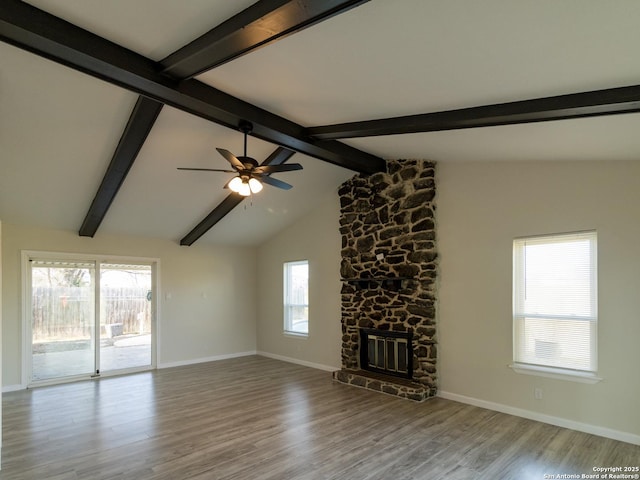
68, 312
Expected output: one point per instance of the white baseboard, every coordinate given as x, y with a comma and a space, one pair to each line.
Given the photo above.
13, 388
304, 363
541, 417
215, 358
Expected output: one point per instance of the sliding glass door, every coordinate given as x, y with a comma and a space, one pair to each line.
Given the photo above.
88, 318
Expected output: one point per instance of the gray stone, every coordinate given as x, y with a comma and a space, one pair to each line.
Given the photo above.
407, 270
357, 381
408, 173
361, 205
393, 166
345, 202
422, 236
396, 192
365, 323
383, 214
375, 385
371, 218
426, 224
346, 270
362, 192
391, 232
393, 259
422, 256
401, 218
390, 389
423, 183
377, 201
347, 253
365, 244
421, 213
418, 199
378, 178
419, 310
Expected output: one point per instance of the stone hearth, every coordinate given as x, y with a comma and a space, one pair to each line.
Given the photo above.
389, 268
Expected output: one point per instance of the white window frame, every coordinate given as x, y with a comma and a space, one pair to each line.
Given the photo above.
288, 305
522, 361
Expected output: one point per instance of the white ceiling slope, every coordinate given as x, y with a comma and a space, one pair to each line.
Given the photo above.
59, 127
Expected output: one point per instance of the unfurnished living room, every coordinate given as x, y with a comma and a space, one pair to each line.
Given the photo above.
319, 239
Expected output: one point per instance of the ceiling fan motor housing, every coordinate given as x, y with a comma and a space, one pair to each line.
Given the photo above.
248, 162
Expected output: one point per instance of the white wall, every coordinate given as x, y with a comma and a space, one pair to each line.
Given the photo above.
317, 239
207, 315
481, 208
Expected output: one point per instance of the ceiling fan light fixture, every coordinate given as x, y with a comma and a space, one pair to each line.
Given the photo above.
245, 190
235, 184
255, 185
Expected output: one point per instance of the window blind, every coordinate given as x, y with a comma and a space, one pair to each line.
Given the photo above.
555, 301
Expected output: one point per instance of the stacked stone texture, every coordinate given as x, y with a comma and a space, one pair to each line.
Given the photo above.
391, 214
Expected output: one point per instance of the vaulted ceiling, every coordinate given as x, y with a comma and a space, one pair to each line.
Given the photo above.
471, 81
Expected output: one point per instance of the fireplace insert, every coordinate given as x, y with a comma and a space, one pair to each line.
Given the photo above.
387, 352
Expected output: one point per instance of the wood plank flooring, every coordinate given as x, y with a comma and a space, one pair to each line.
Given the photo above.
257, 418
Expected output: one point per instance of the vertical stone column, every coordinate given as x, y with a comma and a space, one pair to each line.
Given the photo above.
387, 222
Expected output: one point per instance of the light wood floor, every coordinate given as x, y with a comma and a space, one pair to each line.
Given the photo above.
255, 418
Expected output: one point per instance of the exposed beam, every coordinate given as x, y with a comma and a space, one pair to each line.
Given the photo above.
264, 22
278, 157
612, 101
135, 133
260, 24
34, 30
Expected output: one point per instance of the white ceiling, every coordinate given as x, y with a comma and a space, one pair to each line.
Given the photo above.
59, 128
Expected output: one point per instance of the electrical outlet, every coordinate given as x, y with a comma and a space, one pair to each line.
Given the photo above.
537, 393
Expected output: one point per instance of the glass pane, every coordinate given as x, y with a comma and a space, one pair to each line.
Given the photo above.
296, 297
380, 356
402, 357
558, 278
372, 351
62, 321
556, 343
125, 316
391, 354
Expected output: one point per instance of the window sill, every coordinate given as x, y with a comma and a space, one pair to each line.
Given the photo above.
557, 373
296, 335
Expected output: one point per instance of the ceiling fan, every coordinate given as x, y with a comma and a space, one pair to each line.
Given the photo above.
251, 176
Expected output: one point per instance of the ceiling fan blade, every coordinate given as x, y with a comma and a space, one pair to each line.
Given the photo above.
207, 170
286, 167
231, 158
275, 183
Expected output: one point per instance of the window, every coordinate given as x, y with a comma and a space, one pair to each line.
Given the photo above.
296, 297
555, 303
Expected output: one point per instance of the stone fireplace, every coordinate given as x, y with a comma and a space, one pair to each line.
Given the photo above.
388, 269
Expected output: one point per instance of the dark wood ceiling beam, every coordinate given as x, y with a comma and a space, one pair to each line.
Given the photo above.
264, 22
135, 133
612, 101
260, 24
34, 30
278, 157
